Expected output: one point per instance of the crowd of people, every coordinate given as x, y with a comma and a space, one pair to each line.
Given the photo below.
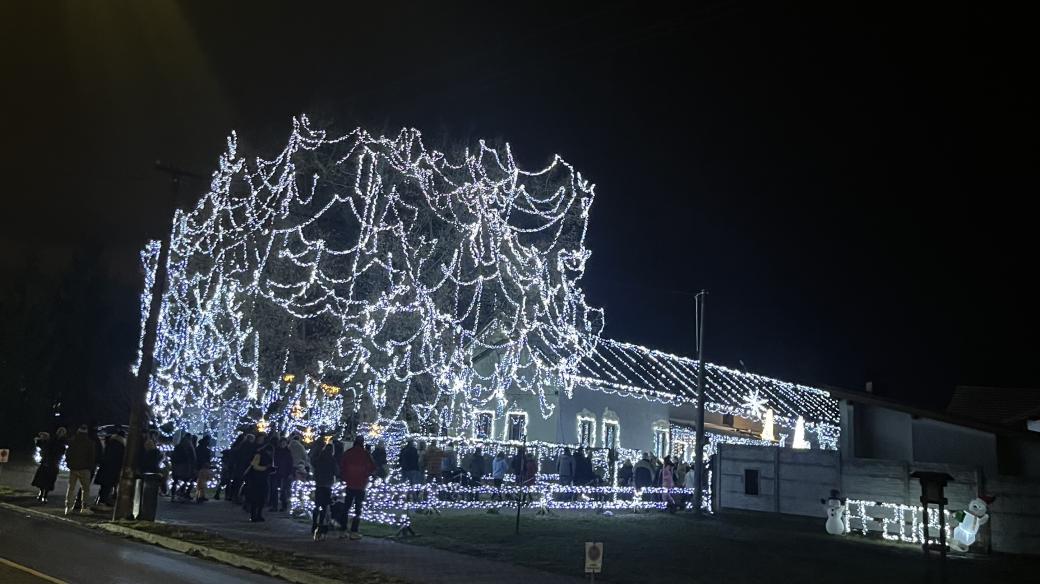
259, 469
91, 460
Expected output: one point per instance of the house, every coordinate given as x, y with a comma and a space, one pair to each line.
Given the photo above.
637, 399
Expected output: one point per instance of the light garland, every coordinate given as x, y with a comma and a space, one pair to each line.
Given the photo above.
409, 265
884, 515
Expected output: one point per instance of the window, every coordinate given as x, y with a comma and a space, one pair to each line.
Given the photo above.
679, 450
484, 425
750, 481
727, 420
610, 434
517, 427
586, 431
660, 442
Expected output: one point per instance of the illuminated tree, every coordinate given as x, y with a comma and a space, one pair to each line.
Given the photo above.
370, 276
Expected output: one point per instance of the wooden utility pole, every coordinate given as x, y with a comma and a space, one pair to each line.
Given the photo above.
139, 389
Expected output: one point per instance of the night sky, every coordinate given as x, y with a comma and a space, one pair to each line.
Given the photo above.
852, 184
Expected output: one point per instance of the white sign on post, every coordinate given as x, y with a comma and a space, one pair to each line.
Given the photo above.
593, 557
4, 455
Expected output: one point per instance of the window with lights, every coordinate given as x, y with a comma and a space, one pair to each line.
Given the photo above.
611, 431
484, 425
586, 431
516, 428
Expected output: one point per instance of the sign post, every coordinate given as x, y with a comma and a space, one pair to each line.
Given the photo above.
593, 559
5, 454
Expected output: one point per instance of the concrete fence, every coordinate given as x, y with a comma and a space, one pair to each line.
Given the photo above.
782, 480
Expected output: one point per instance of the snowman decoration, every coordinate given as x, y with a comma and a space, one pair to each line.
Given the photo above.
970, 520
835, 513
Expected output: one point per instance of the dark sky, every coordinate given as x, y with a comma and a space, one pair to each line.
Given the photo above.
852, 183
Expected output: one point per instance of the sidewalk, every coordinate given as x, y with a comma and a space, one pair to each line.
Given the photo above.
415, 563
419, 564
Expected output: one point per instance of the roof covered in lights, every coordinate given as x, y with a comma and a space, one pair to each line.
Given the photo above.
628, 369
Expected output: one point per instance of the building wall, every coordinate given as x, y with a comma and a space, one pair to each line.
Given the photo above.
882, 433
636, 417
790, 481
935, 441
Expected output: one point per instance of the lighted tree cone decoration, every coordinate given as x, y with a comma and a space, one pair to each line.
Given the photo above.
378, 266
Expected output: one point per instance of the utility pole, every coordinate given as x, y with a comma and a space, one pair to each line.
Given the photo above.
698, 465
138, 414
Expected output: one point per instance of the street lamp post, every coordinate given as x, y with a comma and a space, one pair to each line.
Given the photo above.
698, 451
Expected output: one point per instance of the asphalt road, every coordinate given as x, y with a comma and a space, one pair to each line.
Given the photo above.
67, 553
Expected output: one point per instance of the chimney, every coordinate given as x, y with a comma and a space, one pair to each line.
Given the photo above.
870, 387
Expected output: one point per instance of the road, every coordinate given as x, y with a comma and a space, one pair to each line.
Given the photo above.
67, 553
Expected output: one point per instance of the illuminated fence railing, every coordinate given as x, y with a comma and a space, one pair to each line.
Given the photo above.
386, 503
895, 521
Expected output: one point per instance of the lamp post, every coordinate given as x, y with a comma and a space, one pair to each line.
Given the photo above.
698, 451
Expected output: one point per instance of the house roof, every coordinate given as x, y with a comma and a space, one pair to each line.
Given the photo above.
634, 370
949, 418
1003, 406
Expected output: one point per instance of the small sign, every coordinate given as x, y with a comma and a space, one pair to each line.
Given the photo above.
4, 455
593, 557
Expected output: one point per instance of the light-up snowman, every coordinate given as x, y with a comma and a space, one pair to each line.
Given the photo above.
971, 519
835, 513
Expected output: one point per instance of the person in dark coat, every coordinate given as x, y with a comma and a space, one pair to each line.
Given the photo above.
409, 460
379, 457
51, 452
183, 460
227, 468
240, 458
323, 463
256, 480
111, 465
150, 458
282, 477
81, 459
204, 464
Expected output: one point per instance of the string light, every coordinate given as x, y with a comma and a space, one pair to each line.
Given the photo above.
412, 264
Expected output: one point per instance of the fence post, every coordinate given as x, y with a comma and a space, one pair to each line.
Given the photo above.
776, 479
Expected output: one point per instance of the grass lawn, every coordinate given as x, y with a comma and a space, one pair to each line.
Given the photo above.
733, 548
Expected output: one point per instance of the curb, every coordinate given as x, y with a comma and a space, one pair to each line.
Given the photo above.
289, 574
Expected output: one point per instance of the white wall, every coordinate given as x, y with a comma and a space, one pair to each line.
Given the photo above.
636, 417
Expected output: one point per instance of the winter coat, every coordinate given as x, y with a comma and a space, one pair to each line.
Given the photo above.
324, 466
643, 474
356, 465
476, 467
81, 454
299, 455
283, 463
256, 475
379, 455
409, 458
433, 456
51, 451
565, 466
625, 475
690, 480
150, 460
203, 456
499, 468
183, 460
111, 461
583, 474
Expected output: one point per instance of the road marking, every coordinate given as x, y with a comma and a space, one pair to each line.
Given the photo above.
29, 570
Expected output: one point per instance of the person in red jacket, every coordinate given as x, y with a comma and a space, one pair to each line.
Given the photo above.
356, 466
